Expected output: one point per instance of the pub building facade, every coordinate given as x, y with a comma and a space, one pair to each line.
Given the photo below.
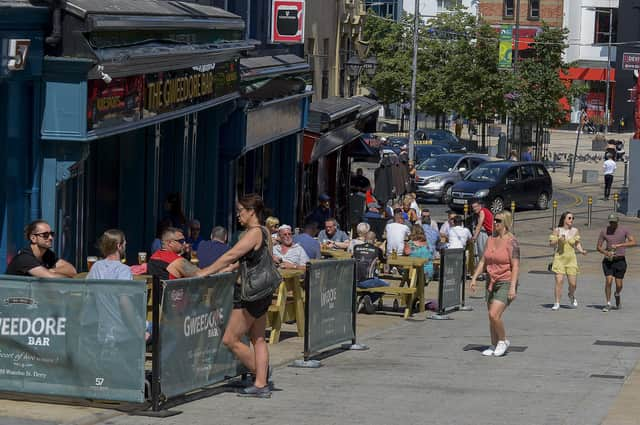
124, 103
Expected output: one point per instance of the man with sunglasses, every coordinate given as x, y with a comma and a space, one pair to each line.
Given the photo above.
167, 262
38, 259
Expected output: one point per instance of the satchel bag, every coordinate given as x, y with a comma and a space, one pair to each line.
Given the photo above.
262, 279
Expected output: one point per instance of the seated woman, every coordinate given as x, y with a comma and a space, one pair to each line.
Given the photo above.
417, 246
362, 229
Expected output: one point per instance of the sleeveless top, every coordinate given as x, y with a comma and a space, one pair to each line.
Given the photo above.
159, 262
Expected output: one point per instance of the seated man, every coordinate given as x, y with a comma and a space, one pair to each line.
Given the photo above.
168, 263
37, 259
396, 233
210, 251
332, 236
307, 241
458, 234
289, 255
367, 257
194, 238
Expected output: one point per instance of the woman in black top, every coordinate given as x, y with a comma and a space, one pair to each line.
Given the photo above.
248, 317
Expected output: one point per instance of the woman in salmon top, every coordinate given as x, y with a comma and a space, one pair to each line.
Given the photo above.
502, 261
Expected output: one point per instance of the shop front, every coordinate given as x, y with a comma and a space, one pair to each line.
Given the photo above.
22, 34
593, 101
332, 139
140, 107
276, 94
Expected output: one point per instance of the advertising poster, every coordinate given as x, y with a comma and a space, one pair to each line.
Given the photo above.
506, 47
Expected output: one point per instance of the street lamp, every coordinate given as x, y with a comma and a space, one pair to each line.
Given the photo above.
355, 65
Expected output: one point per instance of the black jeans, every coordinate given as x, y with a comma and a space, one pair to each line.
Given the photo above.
608, 181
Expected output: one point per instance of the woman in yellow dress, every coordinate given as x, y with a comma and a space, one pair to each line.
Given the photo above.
566, 241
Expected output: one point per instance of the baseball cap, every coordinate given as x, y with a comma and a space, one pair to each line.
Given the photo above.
613, 218
324, 197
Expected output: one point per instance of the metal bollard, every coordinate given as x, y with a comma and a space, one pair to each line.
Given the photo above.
626, 173
513, 215
615, 201
554, 216
589, 210
466, 211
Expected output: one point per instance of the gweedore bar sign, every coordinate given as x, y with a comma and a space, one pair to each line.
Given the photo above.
134, 98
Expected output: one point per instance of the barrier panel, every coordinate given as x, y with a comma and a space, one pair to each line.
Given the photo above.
195, 313
452, 279
330, 304
74, 338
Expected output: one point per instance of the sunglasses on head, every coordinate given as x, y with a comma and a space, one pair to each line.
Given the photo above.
45, 235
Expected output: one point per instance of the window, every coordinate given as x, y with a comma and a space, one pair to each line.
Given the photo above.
311, 45
527, 172
602, 26
534, 9
507, 11
325, 84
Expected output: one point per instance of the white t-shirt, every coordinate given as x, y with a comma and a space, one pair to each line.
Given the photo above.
396, 233
295, 254
458, 237
609, 167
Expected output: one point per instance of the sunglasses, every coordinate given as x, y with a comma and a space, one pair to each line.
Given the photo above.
180, 241
497, 220
568, 218
46, 235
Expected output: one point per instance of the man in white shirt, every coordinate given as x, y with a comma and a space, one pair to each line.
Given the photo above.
609, 169
289, 255
396, 234
444, 229
458, 234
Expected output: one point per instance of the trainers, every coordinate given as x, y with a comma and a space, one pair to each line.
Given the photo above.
489, 351
501, 348
617, 296
253, 391
607, 307
556, 306
574, 302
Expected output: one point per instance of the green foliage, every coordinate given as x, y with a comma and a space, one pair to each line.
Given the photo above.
538, 87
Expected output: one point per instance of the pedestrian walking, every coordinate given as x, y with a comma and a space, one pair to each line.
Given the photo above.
609, 168
249, 316
502, 261
614, 265
566, 241
483, 219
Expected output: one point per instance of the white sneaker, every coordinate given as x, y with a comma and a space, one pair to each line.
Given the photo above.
501, 348
556, 306
489, 351
607, 307
574, 302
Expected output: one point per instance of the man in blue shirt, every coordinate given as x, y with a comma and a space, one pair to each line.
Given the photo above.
306, 240
322, 212
210, 251
528, 156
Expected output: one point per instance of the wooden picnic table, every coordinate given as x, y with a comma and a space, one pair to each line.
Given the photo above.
288, 305
416, 283
338, 254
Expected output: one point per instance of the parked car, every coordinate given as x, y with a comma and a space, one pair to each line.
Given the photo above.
436, 175
422, 152
441, 137
395, 143
498, 183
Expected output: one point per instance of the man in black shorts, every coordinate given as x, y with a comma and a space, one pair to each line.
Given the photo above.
368, 256
38, 259
614, 264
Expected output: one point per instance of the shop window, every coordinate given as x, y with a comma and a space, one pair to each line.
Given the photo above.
534, 9
325, 84
602, 28
507, 9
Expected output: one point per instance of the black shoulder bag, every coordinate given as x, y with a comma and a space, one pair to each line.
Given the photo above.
261, 279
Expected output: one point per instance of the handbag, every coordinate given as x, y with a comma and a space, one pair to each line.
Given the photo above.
550, 265
261, 279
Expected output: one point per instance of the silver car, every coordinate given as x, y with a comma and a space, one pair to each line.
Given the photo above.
437, 174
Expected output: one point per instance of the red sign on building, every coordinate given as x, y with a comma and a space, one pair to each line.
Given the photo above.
631, 61
287, 21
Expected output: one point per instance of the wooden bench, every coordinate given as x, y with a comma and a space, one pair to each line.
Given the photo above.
288, 305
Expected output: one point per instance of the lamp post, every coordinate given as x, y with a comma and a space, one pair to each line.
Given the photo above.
414, 69
606, 96
355, 65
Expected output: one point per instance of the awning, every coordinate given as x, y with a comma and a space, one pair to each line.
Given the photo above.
368, 106
524, 43
323, 112
360, 149
589, 74
272, 66
334, 140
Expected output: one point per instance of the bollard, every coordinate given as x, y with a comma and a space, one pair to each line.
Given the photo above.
513, 216
615, 201
554, 216
589, 210
466, 211
626, 173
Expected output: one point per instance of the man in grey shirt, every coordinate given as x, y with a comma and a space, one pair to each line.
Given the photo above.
333, 236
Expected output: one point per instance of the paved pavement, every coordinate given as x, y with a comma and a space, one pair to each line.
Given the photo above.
418, 371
